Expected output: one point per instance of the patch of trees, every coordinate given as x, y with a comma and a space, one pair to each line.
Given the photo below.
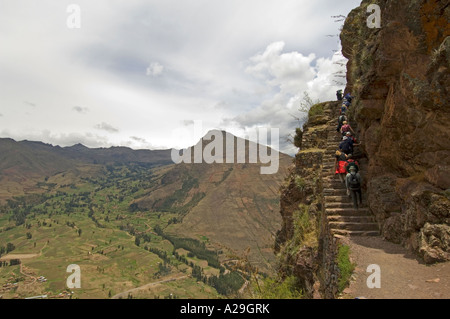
12, 262
226, 284
180, 195
94, 219
7, 249
196, 247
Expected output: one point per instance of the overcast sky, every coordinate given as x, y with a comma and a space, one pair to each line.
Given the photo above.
139, 73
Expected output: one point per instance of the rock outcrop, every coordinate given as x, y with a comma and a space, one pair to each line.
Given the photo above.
400, 76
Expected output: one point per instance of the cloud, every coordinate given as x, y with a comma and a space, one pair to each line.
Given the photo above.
188, 122
149, 66
79, 109
136, 142
138, 139
155, 69
29, 103
286, 76
106, 127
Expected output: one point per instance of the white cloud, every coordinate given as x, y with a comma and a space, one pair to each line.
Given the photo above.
155, 69
289, 75
80, 109
196, 56
106, 127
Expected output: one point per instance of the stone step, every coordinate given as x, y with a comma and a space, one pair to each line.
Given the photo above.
354, 226
352, 233
347, 212
338, 204
335, 192
336, 198
334, 185
352, 219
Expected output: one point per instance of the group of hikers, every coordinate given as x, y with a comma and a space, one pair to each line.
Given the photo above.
346, 167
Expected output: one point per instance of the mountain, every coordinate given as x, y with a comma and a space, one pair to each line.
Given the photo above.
25, 163
231, 206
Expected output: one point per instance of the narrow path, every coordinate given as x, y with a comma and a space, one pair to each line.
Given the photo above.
402, 275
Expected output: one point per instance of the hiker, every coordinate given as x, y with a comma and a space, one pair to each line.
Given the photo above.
353, 183
349, 135
346, 146
346, 128
339, 95
343, 110
339, 164
351, 161
341, 120
347, 103
348, 97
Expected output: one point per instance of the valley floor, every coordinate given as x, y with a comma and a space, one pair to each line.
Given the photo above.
403, 276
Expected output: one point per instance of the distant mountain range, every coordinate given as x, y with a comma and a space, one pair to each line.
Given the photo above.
232, 204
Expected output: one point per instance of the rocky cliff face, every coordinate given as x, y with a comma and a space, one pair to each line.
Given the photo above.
305, 245
400, 76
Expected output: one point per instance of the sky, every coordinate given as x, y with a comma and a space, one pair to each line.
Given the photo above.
143, 74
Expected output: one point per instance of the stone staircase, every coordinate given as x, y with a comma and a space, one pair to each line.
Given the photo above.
343, 219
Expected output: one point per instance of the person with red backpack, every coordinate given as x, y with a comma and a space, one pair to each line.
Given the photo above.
350, 162
340, 163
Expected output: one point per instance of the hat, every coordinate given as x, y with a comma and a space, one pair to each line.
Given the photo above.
352, 168
349, 133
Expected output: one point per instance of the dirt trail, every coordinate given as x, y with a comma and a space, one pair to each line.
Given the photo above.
403, 275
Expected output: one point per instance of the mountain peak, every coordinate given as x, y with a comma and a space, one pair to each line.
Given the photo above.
78, 146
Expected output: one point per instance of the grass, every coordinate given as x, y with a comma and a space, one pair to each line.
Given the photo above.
98, 204
270, 288
346, 267
109, 259
316, 110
